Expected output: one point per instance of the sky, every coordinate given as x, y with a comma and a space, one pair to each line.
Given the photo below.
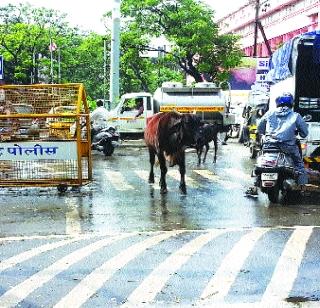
87, 14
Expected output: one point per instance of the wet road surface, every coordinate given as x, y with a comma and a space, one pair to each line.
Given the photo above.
121, 200
257, 267
118, 242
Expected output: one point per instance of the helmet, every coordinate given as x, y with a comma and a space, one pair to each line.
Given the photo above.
286, 99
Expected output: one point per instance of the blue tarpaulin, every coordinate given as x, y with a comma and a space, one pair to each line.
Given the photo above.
279, 65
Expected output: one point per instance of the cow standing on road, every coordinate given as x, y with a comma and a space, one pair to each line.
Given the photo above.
167, 135
205, 134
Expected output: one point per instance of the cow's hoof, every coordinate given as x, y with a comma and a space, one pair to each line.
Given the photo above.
163, 191
183, 190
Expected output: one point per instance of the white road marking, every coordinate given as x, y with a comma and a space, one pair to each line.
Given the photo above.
35, 237
238, 173
26, 255
218, 287
73, 225
287, 267
95, 280
118, 181
144, 175
207, 174
153, 284
189, 181
278, 289
16, 294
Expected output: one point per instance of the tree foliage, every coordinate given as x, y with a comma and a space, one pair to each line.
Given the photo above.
138, 71
25, 36
189, 26
197, 48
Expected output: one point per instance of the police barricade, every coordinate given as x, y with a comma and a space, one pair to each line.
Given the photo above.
44, 136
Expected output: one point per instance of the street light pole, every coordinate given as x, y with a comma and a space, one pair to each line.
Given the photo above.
59, 65
115, 53
51, 58
105, 72
33, 73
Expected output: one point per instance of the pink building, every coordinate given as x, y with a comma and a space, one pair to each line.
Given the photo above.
281, 20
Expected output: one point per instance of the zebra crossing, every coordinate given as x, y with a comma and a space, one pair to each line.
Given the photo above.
195, 179
249, 267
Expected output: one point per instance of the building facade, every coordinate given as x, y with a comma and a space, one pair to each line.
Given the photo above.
280, 19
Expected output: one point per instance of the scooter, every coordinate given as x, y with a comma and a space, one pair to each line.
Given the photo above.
275, 173
253, 143
105, 140
254, 139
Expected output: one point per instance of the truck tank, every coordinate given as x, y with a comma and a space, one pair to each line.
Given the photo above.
205, 99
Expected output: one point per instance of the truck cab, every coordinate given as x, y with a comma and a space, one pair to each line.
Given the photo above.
130, 115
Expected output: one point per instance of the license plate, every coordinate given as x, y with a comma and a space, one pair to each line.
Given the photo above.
269, 176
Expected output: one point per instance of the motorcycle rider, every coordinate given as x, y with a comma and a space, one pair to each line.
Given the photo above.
98, 118
281, 126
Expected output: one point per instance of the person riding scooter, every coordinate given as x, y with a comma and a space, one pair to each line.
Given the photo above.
281, 127
103, 137
98, 118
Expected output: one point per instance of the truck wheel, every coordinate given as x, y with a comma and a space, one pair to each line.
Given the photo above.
274, 194
62, 188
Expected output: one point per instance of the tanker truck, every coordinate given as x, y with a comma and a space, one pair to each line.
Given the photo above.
207, 100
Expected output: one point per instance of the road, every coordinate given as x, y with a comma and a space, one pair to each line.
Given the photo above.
118, 242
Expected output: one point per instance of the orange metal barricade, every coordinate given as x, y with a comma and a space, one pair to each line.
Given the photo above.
44, 136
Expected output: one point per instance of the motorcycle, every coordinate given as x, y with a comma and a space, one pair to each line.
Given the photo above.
105, 140
275, 173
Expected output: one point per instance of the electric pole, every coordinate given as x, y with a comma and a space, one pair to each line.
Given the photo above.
258, 25
256, 21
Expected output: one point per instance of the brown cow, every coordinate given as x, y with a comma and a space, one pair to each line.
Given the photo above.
167, 135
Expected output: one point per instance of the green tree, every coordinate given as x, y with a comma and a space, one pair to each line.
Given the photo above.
139, 72
85, 63
197, 46
24, 35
